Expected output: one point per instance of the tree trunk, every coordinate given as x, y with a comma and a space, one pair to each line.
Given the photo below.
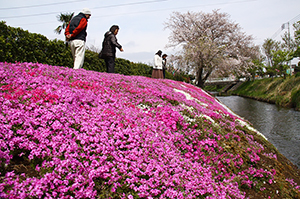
200, 82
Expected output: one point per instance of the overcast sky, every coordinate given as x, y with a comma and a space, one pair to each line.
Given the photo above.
141, 22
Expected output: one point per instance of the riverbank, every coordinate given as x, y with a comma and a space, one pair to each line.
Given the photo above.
279, 125
279, 91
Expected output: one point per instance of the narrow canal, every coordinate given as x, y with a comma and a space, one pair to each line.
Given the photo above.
280, 126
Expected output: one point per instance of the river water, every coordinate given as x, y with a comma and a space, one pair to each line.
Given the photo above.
281, 126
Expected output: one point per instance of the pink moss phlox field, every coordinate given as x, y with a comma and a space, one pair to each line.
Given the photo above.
93, 135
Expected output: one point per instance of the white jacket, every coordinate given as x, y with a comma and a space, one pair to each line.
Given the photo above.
157, 62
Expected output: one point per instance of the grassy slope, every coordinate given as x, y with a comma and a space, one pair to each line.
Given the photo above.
283, 92
218, 147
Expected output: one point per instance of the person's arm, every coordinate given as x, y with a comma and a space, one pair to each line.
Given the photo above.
67, 32
115, 43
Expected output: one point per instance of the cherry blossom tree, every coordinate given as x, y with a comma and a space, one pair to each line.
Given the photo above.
209, 42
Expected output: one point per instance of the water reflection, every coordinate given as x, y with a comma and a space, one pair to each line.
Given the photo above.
281, 126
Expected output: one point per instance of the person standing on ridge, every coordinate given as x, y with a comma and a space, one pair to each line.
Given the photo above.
109, 45
157, 72
164, 64
76, 35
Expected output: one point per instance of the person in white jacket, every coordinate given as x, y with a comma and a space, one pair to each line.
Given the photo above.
157, 71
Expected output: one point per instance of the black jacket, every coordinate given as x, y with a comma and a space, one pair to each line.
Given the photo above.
109, 45
74, 24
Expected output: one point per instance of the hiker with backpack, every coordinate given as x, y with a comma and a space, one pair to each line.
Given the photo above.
76, 35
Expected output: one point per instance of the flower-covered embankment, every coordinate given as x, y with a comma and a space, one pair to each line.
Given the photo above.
68, 133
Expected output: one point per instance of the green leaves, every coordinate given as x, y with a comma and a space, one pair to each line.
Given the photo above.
280, 59
22, 46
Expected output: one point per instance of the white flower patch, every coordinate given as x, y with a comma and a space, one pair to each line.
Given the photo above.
143, 107
186, 118
194, 119
243, 123
189, 97
220, 113
187, 107
210, 119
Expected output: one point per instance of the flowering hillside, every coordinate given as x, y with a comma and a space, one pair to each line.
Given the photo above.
68, 133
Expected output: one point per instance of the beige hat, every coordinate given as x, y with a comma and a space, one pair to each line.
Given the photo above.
86, 11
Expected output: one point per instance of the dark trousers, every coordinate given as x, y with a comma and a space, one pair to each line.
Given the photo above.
110, 64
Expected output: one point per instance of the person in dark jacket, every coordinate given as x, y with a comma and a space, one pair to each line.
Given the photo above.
76, 35
164, 64
109, 46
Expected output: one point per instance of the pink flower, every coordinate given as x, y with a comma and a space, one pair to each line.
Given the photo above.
86, 130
